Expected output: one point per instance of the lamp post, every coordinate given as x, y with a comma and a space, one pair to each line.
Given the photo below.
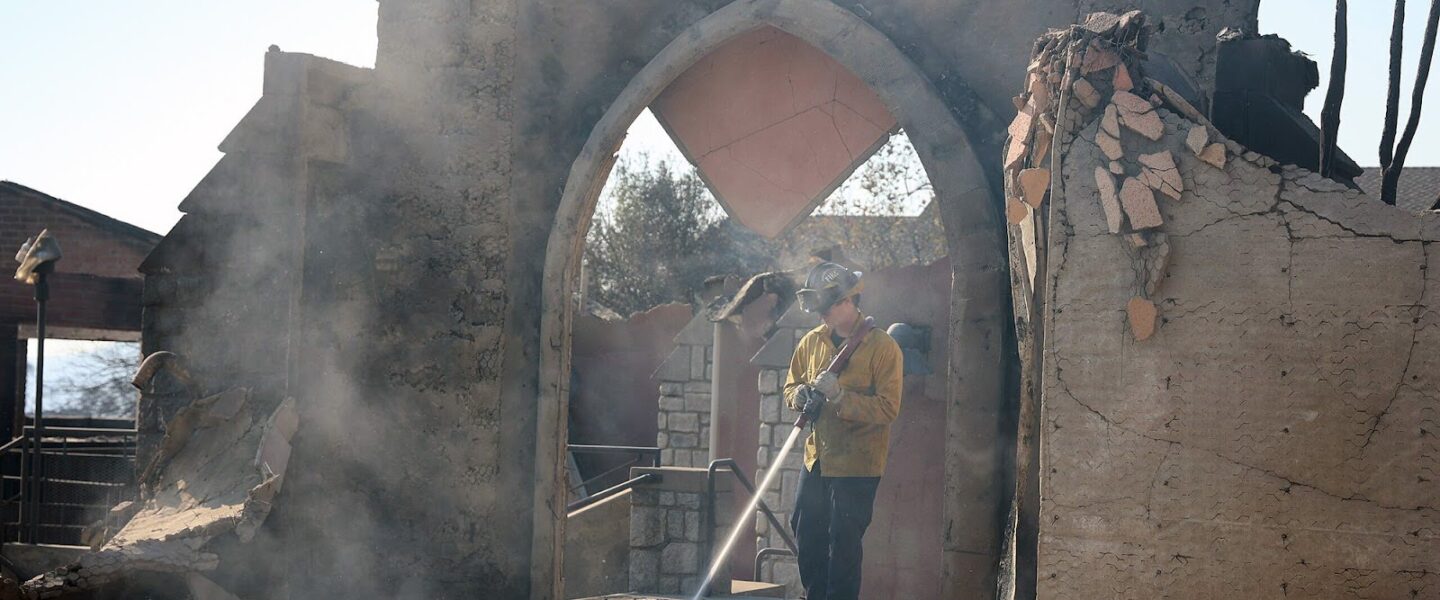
37, 258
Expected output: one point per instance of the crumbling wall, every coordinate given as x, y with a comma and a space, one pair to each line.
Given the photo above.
1238, 392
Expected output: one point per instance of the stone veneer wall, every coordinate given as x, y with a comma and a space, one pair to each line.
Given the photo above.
683, 420
776, 421
668, 533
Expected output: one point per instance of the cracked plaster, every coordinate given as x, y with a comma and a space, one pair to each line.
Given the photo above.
1277, 435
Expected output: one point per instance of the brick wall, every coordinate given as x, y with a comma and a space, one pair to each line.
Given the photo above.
89, 248
97, 282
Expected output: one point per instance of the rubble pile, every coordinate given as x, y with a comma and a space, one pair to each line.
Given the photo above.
216, 473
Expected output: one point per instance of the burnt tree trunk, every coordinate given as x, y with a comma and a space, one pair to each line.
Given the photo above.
1391, 178
1392, 96
1335, 94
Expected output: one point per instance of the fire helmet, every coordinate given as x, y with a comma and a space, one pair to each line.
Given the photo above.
827, 284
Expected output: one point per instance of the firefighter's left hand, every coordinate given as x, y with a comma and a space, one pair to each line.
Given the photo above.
828, 384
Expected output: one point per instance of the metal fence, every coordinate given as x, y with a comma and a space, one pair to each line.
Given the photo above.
53, 490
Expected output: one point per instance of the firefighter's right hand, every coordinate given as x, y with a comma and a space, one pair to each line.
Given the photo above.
811, 401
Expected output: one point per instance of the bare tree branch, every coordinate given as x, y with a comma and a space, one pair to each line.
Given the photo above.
1392, 97
1391, 178
1335, 95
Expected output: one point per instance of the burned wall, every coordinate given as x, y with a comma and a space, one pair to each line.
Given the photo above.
1276, 434
1239, 394
395, 290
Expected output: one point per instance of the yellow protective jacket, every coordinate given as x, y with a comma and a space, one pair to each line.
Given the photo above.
852, 436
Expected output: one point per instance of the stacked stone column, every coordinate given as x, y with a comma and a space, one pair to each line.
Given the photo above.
683, 418
776, 423
669, 533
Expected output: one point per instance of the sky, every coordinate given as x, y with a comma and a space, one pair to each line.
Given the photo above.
118, 105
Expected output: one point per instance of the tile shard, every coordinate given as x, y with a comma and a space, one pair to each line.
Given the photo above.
1040, 151
1139, 115
1142, 315
1021, 126
1196, 140
1161, 173
1110, 123
1016, 211
1138, 200
1122, 79
1109, 145
1034, 183
1105, 183
1086, 93
1214, 154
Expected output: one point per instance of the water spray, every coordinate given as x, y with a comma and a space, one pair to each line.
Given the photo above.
837, 365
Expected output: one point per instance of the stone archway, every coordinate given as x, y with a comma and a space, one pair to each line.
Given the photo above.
979, 308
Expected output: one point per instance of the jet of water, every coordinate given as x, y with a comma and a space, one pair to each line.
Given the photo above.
742, 518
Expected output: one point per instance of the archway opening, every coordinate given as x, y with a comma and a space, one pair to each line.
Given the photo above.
974, 258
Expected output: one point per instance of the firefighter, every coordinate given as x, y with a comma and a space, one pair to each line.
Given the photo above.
851, 412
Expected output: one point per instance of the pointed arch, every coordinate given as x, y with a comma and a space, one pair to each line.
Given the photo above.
979, 307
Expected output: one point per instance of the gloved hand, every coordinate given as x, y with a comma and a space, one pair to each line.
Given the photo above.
828, 384
811, 401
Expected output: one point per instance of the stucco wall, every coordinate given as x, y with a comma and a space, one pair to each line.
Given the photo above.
1276, 435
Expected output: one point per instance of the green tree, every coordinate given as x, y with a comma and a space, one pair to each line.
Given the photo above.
658, 234
647, 243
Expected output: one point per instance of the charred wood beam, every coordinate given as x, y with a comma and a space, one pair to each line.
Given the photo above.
1335, 94
1391, 177
1392, 96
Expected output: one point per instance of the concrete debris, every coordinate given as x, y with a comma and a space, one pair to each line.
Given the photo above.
1102, 24
217, 471
1176, 101
1142, 315
1034, 183
202, 588
1138, 200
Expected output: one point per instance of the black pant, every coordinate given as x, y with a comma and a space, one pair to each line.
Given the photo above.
831, 514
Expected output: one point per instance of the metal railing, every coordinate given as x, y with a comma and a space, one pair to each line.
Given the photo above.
638, 454
760, 506
59, 478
